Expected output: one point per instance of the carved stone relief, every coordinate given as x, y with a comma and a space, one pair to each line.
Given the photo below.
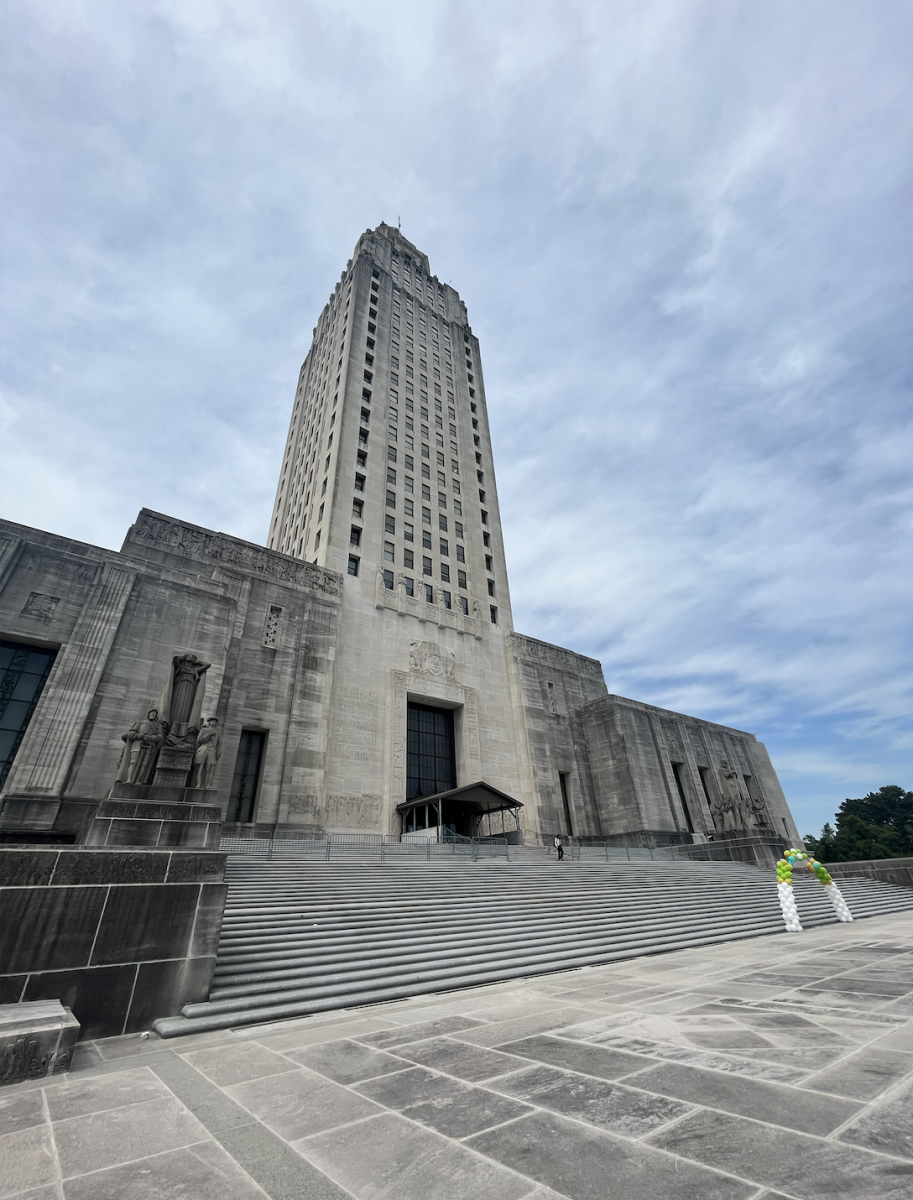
428, 658
354, 812
553, 656
354, 726
183, 539
271, 627
40, 606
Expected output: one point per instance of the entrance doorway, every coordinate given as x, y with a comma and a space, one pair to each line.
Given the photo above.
430, 751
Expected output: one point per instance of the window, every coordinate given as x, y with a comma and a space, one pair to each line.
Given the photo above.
391, 457
410, 584
389, 555
388, 580
460, 553
323, 490
408, 559
426, 516
456, 487
445, 573
486, 539
459, 528
392, 432
461, 578
458, 508
430, 753
482, 498
390, 524
409, 462
491, 587
464, 605
391, 475
366, 415
441, 478
426, 539
354, 536
429, 593
488, 562
361, 458
484, 518
445, 548
493, 613
353, 564
246, 778
358, 508
320, 513
359, 487
426, 566
317, 541
391, 499
408, 532
442, 500
23, 673
442, 522
326, 465
447, 599
408, 484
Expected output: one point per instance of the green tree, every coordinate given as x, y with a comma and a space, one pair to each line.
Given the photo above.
879, 825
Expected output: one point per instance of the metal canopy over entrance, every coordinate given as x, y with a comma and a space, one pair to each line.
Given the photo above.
474, 810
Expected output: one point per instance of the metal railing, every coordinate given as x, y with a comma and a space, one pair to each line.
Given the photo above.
752, 850
364, 845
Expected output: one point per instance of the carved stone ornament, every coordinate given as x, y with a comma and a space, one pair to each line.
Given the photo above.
154, 530
553, 656
40, 606
427, 658
142, 743
206, 754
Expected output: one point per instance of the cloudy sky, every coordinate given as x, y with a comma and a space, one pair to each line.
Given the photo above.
683, 232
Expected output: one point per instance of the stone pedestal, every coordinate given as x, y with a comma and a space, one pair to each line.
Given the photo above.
172, 772
191, 821
36, 1039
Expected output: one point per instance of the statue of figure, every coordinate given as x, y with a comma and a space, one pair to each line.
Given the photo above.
206, 755
735, 816
439, 596
477, 609
142, 743
186, 684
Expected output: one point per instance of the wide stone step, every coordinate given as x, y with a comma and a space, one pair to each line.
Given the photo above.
303, 938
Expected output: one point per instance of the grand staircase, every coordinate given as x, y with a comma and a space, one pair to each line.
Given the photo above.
302, 937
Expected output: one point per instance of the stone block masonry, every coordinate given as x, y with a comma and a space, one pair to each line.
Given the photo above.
120, 937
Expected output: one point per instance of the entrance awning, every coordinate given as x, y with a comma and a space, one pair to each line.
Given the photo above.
478, 797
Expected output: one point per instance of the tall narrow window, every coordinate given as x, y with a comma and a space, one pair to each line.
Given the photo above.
23, 673
430, 751
676, 771
566, 803
245, 782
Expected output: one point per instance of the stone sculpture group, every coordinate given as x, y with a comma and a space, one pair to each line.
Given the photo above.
175, 726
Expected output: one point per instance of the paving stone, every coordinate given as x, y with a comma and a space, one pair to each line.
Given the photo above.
21, 1110
605, 1105
451, 1107
473, 1063
117, 1135
720, 1039
27, 1159
886, 1126
864, 1074
730, 1063
585, 1163
236, 1063
398, 1160
346, 1062
77, 1097
276, 1167
208, 1103
420, 1032
603, 1062
201, 1172
860, 983
51, 1192
786, 1106
315, 1034
900, 1038
806, 1167
499, 1032
300, 1103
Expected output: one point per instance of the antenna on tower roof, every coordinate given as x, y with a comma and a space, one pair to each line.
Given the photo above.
399, 223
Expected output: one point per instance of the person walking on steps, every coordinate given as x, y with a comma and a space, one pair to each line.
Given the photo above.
559, 848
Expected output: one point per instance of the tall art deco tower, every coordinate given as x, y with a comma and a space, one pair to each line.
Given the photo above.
388, 478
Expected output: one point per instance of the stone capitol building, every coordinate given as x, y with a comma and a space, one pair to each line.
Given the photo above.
358, 673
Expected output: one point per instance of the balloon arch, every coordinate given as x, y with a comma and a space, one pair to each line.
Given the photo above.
785, 888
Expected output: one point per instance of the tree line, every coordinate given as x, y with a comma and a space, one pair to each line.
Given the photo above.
879, 825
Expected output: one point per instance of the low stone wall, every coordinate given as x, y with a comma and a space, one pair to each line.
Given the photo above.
888, 870
120, 937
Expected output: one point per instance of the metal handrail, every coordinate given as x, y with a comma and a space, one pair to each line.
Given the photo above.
342, 845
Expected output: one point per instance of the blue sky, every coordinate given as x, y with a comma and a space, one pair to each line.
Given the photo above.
683, 233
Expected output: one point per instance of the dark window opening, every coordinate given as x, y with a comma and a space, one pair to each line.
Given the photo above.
676, 771
245, 782
566, 802
430, 751
23, 673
